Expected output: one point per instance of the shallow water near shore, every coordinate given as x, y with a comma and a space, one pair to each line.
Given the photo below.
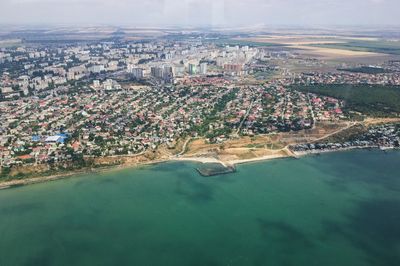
334, 209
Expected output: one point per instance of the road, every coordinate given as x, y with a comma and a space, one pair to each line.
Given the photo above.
245, 117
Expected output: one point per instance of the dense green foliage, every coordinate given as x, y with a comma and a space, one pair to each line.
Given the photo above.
4, 172
374, 100
365, 69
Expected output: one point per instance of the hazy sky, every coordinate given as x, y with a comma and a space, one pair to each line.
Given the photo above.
201, 12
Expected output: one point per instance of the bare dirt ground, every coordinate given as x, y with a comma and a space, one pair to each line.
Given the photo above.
376, 121
302, 43
307, 39
271, 146
332, 53
262, 146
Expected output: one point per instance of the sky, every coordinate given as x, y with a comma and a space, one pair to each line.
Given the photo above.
201, 12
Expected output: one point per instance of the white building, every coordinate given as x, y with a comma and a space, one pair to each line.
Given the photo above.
203, 68
97, 68
137, 73
192, 69
96, 83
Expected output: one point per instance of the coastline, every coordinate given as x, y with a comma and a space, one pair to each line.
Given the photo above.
205, 160
54, 177
316, 152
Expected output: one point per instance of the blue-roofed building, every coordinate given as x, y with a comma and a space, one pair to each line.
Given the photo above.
54, 139
59, 138
63, 136
35, 138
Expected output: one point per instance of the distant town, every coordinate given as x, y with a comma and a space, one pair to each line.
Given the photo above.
65, 104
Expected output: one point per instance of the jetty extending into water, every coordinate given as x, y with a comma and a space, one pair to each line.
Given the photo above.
212, 169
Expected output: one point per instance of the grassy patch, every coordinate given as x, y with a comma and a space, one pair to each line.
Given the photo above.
365, 69
228, 41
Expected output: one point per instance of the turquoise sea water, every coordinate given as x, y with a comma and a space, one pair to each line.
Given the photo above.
333, 209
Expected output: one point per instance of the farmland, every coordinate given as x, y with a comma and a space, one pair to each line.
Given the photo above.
382, 46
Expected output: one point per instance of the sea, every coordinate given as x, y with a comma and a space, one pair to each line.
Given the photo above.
334, 209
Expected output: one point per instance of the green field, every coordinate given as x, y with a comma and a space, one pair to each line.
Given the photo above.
365, 69
373, 100
386, 47
228, 41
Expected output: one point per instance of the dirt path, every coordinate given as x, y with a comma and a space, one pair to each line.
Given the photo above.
184, 147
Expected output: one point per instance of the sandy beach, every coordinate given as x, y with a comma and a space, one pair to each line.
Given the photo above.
40, 179
200, 159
